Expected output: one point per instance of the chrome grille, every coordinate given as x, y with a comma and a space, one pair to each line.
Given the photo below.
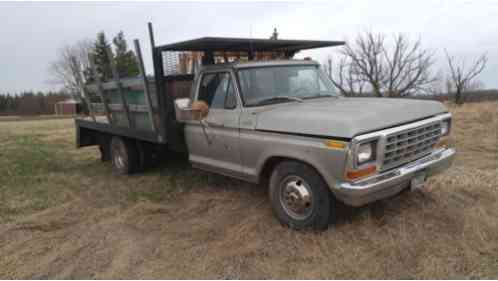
408, 145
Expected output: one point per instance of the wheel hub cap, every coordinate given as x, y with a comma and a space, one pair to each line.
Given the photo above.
118, 155
296, 197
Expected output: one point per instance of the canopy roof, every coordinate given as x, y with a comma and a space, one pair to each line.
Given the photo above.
246, 44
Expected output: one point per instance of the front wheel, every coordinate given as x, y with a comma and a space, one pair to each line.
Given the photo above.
299, 197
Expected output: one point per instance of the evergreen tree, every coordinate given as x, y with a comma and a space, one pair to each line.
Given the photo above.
102, 61
3, 103
88, 75
126, 61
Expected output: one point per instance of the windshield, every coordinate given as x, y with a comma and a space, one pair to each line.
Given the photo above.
265, 85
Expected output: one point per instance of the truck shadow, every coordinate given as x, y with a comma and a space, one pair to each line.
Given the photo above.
380, 212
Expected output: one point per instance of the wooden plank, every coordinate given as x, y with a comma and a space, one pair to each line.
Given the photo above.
99, 107
120, 107
125, 83
100, 91
131, 107
148, 100
116, 77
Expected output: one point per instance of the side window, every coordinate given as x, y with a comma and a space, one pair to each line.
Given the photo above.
217, 91
207, 88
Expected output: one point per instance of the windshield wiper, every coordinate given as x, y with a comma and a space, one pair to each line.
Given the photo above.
277, 99
318, 96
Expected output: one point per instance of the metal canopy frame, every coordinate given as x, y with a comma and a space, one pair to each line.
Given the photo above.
210, 45
213, 44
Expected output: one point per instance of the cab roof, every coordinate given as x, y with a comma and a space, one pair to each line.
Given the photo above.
249, 64
246, 44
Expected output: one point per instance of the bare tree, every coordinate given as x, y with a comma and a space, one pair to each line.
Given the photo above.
345, 78
462, 76
70, 62
408, 67
370, 64
437, 88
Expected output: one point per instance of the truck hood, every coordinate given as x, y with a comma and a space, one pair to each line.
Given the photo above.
344, 117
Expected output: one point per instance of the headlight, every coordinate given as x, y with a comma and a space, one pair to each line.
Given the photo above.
366, 152
445, 127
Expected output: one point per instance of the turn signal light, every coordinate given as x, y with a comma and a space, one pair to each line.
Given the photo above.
335, 144
444, 142
355, 174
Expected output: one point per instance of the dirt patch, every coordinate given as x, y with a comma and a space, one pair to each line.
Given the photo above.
176, 222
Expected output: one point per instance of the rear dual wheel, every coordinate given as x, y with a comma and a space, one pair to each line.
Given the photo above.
124, 156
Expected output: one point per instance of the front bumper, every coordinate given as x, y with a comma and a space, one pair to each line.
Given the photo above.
393, 181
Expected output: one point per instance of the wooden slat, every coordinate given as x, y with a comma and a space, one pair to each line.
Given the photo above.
131, 107
125, 83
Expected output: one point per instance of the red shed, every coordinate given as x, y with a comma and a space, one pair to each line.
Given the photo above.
68, 107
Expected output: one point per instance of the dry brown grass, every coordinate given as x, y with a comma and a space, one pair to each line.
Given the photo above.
63, 215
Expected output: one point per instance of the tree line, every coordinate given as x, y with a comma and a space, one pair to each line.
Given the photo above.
374, 65
30, 103
72, 69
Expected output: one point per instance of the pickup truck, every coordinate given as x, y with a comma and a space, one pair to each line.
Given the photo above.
280, 122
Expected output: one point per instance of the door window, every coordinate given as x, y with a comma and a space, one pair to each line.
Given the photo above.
217, 91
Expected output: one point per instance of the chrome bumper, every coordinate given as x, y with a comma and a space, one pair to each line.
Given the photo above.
393, 181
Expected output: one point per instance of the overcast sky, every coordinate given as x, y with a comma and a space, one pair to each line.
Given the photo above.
32, 32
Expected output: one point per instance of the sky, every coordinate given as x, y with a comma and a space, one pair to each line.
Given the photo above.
32, 32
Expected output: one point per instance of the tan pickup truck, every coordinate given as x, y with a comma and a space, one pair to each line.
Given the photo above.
273, 120
283, 120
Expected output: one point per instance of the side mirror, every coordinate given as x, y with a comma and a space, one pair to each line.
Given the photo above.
186, 110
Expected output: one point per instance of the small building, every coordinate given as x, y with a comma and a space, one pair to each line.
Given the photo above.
68, 107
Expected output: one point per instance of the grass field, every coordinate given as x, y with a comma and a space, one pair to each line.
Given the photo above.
64, 215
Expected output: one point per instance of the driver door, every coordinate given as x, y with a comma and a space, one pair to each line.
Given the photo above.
214, 143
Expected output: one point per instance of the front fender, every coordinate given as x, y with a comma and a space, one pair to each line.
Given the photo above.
328, 162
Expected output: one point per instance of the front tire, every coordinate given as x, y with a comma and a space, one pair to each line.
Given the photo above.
299, 197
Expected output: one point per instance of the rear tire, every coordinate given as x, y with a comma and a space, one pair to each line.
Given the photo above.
124, 156
300, 198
